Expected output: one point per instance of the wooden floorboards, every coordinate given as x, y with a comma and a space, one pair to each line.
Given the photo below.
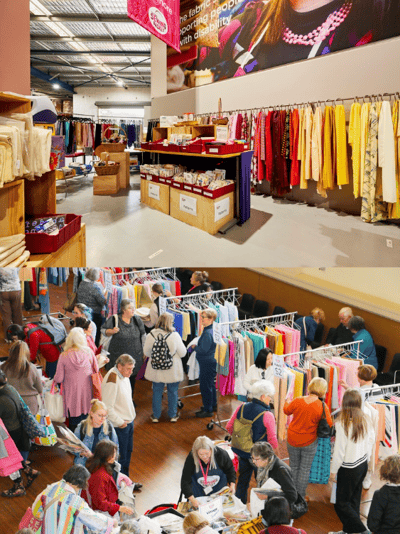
158, 456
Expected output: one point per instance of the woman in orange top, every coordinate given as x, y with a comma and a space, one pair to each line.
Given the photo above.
302, 431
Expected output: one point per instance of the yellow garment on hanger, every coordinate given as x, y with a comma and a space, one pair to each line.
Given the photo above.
327, 168
298, 384
220, 353
341, 146
363, 141
316, 145
355, 142
394, 209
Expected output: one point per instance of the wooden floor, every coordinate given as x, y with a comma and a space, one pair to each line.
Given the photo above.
158, 457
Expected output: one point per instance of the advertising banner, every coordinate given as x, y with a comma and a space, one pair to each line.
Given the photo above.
159, 17
222, 39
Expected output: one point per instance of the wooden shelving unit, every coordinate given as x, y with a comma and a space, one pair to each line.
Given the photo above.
206, 130
24, 198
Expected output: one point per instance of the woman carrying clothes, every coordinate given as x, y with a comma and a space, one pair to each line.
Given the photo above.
207, 470
23, 375
171, 376
66, 508
102, 486
94, 429
261, 370
302, 431
205, 354
127, 338
74, 370
355, 437
91, 294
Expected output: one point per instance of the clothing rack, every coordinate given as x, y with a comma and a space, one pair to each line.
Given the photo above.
372, 98
59, 315
352, 345
388, 389
266, 321
207, 294
159, 270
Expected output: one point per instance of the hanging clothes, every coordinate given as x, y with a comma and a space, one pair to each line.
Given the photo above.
342, 169
355, 143
328, 173
386, 153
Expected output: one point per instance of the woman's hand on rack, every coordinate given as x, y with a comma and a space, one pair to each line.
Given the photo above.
343, 384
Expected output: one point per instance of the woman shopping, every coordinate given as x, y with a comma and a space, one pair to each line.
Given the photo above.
23, 375
128, 337
355, 437
205, 354
81, 310
74, 371
10, 298
102, 487
92, 295
308, 326
207, 470
198, 279
165, 349
302, 431
94, 429
261, 370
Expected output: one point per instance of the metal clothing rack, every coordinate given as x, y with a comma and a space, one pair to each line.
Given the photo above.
59, 315
269, 320
306, 355
159, 270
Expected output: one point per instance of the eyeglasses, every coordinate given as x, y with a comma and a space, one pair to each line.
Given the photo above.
254, 459
100, 416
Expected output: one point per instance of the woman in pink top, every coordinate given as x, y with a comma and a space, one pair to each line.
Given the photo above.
74, 370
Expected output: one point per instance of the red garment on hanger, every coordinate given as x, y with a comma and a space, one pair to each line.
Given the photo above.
294, 145
269, 156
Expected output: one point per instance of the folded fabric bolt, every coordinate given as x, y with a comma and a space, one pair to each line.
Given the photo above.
6, 167
9, 259
10, 251
21, 260
10, 241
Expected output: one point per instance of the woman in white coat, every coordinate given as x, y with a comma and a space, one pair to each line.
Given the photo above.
165, 349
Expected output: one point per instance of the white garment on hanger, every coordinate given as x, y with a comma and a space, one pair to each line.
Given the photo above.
386, 153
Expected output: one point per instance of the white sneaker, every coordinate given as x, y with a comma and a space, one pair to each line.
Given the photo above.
367, 482
174, 419
154, 420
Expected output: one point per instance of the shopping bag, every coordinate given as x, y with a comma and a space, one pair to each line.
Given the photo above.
43, 418
30, 521
321, 466
13, 460
54, 404
97, 379
142, 369
106, 340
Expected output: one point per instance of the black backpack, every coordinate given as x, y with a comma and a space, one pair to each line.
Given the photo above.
161, 358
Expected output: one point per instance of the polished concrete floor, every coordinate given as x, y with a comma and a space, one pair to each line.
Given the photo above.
122, 231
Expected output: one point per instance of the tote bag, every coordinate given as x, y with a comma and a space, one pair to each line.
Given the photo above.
53, 401
30, 521
321, 466
106, 340
28, 420
12, 462
43, 418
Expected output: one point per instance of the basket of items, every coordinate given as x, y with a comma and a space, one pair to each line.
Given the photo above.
106, 167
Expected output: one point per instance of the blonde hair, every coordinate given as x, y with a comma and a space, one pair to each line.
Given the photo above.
76, 339
165, 322
318, 386
203, 442
352, 415
210, 313
194, 522
319, 314
18, 360
87, 424
200, 276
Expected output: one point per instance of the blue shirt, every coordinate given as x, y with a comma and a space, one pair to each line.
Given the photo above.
206, 345
367, 347
311, 327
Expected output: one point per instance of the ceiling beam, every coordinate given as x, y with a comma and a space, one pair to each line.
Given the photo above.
43, 52
91, 39
82, 17
54, 64
73, 75
46, 78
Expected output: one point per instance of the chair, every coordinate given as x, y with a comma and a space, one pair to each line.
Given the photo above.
381, 357
261, 308
246, 306
319, 334
278, 310
217, 286
393, 375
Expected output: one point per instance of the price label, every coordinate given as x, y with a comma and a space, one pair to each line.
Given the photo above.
217, 333
162, 304
212, 510
278, 366
154, 191
188, 204
221, 209
108, 281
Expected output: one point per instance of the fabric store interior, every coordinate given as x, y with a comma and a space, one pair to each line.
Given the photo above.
266, 308
281, 152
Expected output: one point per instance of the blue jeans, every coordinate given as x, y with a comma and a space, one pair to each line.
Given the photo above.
246, 469
125, 441
172, 389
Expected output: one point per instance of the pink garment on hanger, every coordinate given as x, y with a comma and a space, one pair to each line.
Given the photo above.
226, 384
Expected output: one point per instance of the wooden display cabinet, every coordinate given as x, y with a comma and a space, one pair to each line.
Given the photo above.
12, 208
206, 130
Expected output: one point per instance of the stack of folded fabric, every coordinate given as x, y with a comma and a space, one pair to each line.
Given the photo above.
13, 251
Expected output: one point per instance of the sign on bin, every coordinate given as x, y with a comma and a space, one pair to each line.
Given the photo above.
212, 510
278, 365
217, 333
154, 191
188, 204
221, 209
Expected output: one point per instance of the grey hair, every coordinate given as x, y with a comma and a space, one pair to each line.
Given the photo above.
125, 359
125, 303
262, 387
77, 475
263, 449
130, 526
346, 311
203, 442
93, 274
356, 323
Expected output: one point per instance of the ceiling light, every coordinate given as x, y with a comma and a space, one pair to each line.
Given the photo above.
56, 86
120, 82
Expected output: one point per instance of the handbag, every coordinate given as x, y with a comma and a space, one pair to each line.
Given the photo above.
30, 521
106, 340
323, 429
97, 379
321, 466
43, 418
54, 404
70, 302
299, 507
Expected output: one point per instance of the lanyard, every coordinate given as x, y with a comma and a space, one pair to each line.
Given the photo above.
206, 473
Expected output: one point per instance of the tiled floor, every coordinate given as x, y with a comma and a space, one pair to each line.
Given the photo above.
120, 230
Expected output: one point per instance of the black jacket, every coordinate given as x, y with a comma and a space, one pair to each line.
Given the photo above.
223, 461
384, 514
340, 335
282, 474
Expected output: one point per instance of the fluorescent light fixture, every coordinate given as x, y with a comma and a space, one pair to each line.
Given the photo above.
56, 86
120, 82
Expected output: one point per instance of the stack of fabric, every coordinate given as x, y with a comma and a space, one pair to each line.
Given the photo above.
13, 251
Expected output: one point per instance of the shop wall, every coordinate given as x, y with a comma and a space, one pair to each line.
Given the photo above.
364, 70
293, 298
84, 100
15, 72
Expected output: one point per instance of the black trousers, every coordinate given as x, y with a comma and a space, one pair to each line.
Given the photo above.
98, 321
348, 497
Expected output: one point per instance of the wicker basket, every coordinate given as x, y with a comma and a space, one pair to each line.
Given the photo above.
103, 170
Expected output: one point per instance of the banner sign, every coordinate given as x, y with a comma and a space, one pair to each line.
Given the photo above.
222, 39
159, 17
